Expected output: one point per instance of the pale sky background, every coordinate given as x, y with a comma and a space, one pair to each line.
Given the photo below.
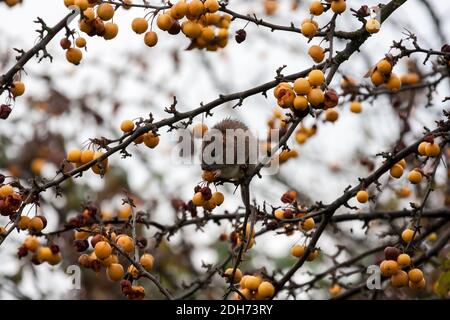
237, 67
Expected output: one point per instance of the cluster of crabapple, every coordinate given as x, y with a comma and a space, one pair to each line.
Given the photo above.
396, 171
429, 148
203, 25
426, 148
251, 287
93, 23
204, 197
307, 92
150, 139
304, 133
237, 237
103, 255
10, 200
393, 265
382, 74
293, 210
51, 253
309, 27
81, 157
106, 245
40, 254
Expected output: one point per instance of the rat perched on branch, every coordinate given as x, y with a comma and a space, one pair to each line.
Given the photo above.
230, 150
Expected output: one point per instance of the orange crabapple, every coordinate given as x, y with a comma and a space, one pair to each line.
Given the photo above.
315, 97
415, 176
393, 82
6, 190
355, 107
102, 250
111, 30
178, 10
139, 25
362, 196
373, 25
102, 167
23, 223
164, 21
265, 290
309, 28
297, 251
338, 6
217, 198
301, 86
147, 261
237, 275
36, 224
74, 55
150, 39
280, 88
17, 88
252, 283
105, 11
400, 279
421, 149
270, 7
384, 66
195, 8
417, 285
115, 271
151, 140
31, 243
389, 268
127, 126
211, 6
199, 130
125, 243
432, 150
331, 115
415, 275
316, 77
377, 78
82, 4
124, 212
396, 171
300, 103
407, 235
334, 290
307, 224
403, 192
404, 260
316, 53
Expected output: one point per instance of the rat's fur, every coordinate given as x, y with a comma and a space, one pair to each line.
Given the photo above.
233, 170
